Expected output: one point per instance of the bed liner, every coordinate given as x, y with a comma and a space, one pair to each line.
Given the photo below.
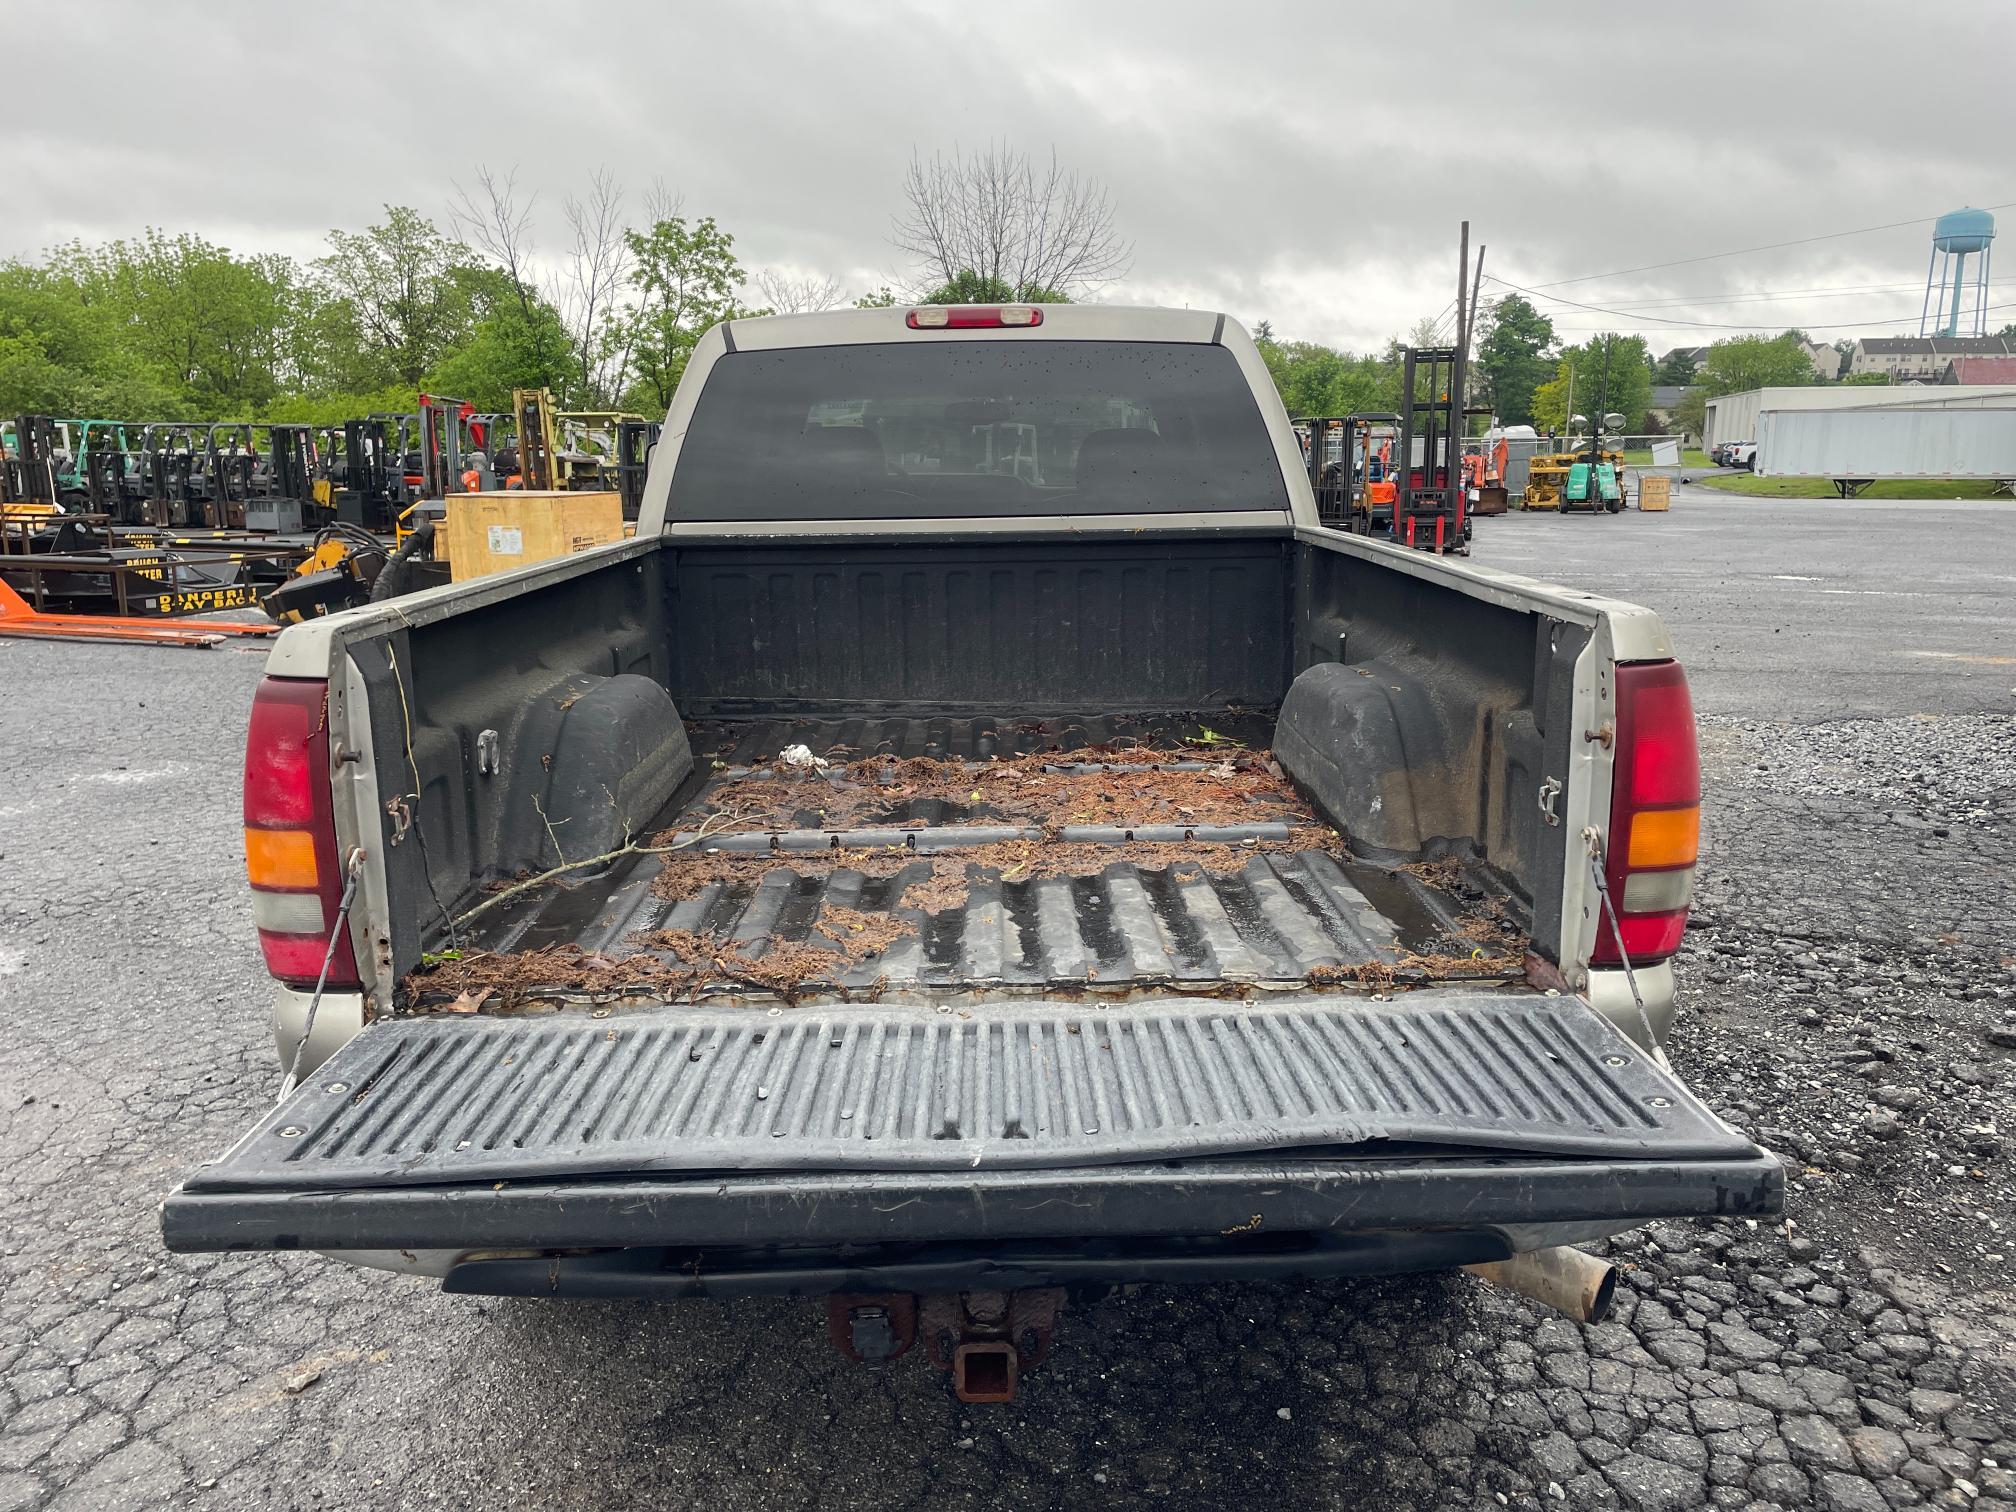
935, 859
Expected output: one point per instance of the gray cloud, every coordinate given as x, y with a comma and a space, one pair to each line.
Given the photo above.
1304, 164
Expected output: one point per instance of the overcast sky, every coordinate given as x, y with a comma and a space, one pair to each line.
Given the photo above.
1266, 162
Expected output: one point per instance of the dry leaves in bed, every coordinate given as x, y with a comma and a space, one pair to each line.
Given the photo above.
1246, 788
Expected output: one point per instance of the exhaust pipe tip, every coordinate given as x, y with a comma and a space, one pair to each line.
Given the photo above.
1564, 1278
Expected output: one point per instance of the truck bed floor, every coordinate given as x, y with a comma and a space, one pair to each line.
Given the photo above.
941, 859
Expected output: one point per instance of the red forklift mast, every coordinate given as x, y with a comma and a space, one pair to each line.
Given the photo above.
1429, 512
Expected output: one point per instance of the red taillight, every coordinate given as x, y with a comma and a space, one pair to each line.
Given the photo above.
279, 792
290, 829
1655, 814
972, 317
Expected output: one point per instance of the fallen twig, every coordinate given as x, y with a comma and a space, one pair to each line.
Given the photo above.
629, 849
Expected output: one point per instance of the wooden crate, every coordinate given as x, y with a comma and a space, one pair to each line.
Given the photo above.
1655, 491
495, 532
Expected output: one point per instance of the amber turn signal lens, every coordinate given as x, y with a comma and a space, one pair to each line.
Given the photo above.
1664, 837
280, 858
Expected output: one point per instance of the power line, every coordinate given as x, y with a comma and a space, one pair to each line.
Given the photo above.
1713, 325
1802, 241
1689, 301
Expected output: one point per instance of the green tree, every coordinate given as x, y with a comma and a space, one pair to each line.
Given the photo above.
1550, 402
1677, 367
1867, 379
1627, 390
1264, 331
403, 293
335, 408
883, 298
189, 316
1317, 380
513, 347
1514, 357
1743, 363
50, 341
1691, 413
970, 288
686, 276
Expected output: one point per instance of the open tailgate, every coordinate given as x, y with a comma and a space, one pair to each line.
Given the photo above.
545, 1129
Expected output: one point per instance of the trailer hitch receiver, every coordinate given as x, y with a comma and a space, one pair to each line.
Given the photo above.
986, 1340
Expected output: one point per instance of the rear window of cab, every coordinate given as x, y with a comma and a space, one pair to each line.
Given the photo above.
975, 428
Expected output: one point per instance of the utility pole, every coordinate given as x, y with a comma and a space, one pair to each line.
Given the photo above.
1476, 291
1453, 444
1602, 404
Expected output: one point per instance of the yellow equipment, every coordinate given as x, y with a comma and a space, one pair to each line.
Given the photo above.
337, 574
561, 451
538, 438
1547, 476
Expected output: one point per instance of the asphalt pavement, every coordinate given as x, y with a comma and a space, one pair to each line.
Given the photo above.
1849, 994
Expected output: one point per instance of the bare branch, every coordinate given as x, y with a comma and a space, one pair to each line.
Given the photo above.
662, 202
995, 214
497, 225
598, 270
785, 295
628, 848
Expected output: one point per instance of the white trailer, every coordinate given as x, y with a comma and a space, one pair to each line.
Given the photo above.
1858, 446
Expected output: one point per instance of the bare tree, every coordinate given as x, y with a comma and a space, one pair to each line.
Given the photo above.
662, 202
784, 295
597, 274
1011, 223
496, 224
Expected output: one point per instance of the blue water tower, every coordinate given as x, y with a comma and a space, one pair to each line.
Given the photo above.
1949, 284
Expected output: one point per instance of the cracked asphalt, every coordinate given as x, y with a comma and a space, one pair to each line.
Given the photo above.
1850, 995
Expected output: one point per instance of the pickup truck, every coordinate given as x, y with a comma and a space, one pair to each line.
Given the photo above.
981, 836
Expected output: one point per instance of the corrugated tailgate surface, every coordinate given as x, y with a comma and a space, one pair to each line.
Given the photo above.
452, 1098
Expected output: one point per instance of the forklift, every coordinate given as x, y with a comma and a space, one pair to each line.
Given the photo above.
1350, 469
282, 485
229, 463
398, 471
108, 471
605, 450
170, 484
634, 440
1430, 510
28, 466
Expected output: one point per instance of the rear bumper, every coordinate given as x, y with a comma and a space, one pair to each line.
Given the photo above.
1413, 1212
338, 1018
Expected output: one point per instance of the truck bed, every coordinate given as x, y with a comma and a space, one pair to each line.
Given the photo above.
937, 860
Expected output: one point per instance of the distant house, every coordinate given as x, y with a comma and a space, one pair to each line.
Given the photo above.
1825, 360
1922, 359
1980, 370
1666, 398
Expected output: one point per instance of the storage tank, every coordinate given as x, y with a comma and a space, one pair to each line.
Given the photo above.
1963, 231
1956, 236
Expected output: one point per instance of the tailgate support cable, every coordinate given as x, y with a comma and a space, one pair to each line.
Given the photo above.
1595, 841
350, 875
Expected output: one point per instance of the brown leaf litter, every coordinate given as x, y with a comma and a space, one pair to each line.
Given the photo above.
1245, 787
944, 879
